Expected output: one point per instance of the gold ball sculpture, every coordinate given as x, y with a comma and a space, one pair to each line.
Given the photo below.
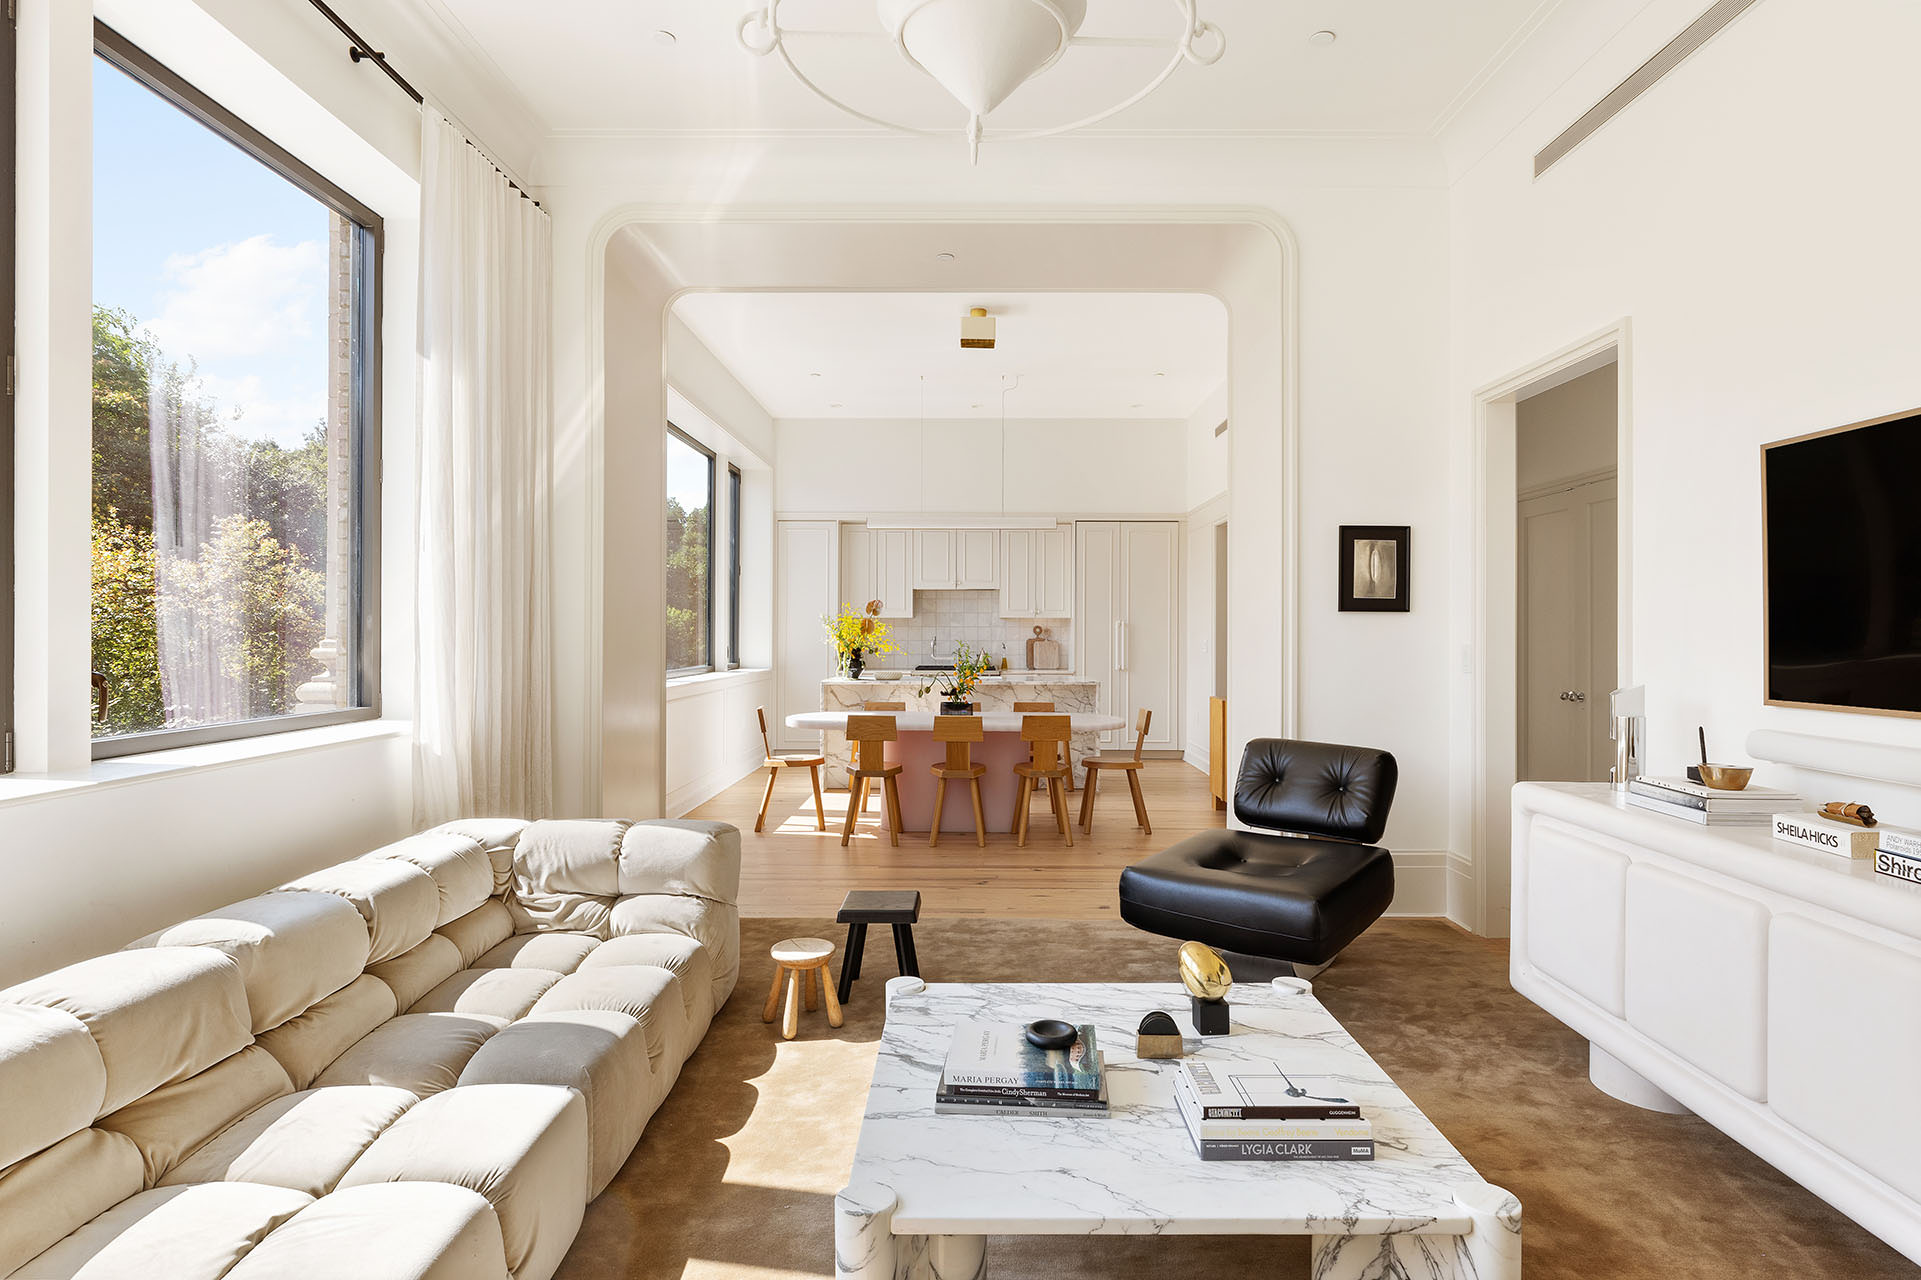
1203, 972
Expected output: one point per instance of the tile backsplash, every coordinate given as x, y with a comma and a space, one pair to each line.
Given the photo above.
942, 618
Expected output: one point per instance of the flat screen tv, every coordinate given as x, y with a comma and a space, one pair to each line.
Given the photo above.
1843, 565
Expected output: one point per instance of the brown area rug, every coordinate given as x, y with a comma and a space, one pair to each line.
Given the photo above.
737, 1172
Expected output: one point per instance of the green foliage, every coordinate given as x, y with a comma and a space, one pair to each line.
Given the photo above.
687, 584
246, 604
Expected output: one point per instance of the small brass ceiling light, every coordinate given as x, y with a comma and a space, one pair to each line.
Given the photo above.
977, 330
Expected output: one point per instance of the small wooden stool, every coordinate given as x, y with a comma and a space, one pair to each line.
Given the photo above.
803, 962
862, 907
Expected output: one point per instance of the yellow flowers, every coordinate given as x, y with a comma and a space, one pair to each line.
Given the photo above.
859, 631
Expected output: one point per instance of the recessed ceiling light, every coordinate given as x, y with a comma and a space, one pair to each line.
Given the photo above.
1159, 374
943, 256
835, 404
977, 406
665, 37
1322, 37
1137, 405
813, 375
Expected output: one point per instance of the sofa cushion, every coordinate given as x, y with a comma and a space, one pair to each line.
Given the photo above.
479, 931
158, 1014
52, 1079
181, 1233
524, 1147
599, 1054
458, 865
293, 948
716, 926
650, 996
566, 876
303, 1142
422, 1053
175, 1119
309, 1044
681, 956
497, 836
399, 901
561, 952
681, 855
499, 993
47, 1196
392, 1231
412, 974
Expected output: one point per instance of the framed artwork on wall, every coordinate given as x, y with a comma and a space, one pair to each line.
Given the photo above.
1374, 568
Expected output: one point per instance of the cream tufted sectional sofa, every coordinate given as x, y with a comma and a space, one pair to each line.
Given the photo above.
421, 1063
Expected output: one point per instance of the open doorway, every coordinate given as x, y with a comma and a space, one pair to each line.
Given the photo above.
1567, 579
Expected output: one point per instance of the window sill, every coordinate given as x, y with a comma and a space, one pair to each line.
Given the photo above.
23, 788
711, 681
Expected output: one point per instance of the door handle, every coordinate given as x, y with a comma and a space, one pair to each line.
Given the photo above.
1120, 645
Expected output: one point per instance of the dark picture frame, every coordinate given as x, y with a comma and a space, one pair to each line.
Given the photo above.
1382, 583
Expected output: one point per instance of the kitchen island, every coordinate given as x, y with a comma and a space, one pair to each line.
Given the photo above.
915, 751
995, 693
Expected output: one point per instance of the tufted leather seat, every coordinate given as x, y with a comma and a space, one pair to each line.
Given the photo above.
1301, 896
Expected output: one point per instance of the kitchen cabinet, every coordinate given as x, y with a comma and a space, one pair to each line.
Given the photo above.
1126, 620
1036, 572
933, 559
956, 559
875, 564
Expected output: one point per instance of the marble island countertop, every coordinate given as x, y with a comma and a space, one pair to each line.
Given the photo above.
1011, 676
998, 694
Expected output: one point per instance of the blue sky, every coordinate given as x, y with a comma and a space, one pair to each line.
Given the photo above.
221, 259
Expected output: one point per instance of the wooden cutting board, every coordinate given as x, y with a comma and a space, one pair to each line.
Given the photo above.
1043, 654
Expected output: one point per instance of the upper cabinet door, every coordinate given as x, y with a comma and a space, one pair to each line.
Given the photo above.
857, 582
933, 559
1054, 572
894, 572
1018, 597
977, 559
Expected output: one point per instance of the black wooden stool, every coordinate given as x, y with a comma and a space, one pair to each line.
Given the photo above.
898, 907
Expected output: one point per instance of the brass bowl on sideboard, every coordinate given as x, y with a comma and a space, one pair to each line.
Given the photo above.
1725, 777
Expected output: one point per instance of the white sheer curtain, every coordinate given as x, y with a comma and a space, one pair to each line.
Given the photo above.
483, 717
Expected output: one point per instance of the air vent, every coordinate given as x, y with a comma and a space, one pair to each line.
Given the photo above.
1670, 56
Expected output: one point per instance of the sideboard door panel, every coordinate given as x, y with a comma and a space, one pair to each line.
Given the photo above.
1697, 975
1577, 910
1844, 1034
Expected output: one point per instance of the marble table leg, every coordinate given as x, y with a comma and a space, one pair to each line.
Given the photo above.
866, 1248
1490, 1251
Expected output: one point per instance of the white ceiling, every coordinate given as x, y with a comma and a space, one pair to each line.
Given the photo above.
597, 66
898, 355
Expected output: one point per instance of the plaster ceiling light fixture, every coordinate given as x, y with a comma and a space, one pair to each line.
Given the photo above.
981, 51
977, 330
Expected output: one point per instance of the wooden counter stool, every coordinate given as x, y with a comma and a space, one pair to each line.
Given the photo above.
775, 763
1048, 763
803, 962
872, 704
862, 907
1130, 765
1045, 706
958, 733
870, 736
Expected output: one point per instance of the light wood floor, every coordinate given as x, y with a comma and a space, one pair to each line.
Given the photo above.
790, 869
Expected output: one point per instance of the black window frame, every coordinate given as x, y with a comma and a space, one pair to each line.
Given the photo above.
675, 673
733, 567
365, 432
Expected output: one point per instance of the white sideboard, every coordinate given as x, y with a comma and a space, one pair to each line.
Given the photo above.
1773, 991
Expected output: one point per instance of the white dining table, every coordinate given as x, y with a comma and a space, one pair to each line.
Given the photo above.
916, 752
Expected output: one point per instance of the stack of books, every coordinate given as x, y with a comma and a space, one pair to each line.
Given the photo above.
992, 1069
1679, 798
1898, 854
1240, 1111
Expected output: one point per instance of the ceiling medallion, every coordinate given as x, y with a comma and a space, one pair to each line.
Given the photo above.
980, 51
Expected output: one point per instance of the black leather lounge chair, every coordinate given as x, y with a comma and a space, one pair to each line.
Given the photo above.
1296, 898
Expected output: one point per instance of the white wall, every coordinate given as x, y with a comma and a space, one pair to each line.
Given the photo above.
1200, 584
97, 855
715, 738
1053, 467
1567, 431
1207, 453
1752, 217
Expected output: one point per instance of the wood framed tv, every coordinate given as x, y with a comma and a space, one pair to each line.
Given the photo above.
1841, 568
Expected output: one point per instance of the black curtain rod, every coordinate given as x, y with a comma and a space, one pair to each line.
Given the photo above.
360, 51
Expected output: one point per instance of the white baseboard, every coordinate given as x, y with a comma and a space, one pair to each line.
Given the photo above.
1460, 891
1420, 883
1196, 756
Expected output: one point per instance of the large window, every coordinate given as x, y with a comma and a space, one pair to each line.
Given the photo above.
235, 432
690, 555
8, 48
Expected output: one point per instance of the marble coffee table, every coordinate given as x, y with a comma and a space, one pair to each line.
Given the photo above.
927, 1190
